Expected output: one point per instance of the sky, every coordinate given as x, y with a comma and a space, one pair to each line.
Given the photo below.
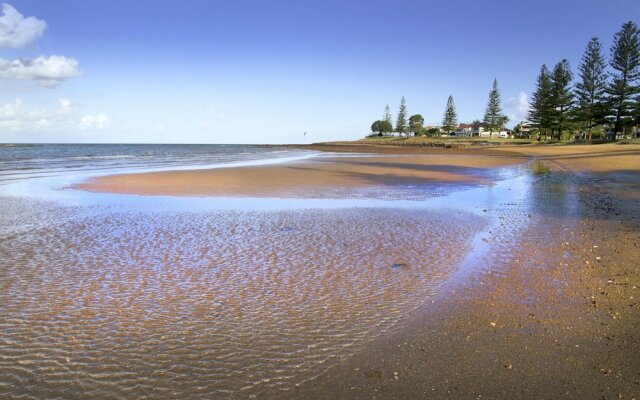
239, 71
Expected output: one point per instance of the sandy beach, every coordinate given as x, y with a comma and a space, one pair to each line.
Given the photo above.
485, 294
294, 200
319, 178
550, 313
554, 316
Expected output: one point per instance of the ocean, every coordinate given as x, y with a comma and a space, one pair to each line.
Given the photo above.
26, 161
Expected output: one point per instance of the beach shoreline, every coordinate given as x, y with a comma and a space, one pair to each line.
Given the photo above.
319, 177
383, 166
478, 337
553, 290
564, 298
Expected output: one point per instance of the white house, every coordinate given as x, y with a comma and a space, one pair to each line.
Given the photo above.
480, 130
464, 130
503, 133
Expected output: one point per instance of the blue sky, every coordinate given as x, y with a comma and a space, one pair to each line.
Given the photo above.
266, 72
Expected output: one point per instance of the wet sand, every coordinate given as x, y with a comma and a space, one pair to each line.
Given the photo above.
110, 301
325, 177
206, 304
609, 157
553, 313
550, 311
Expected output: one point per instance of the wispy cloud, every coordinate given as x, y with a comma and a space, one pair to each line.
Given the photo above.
517, 107
98, 121
65, 116
16, 117
16, 31
66, 105
9, 111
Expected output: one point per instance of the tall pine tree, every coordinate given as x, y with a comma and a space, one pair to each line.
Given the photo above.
562, 98
401, 121
541, 108
387, 115
590, 91
625, 60
450, 119
493, 117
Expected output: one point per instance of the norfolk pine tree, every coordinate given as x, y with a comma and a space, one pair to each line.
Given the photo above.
387, 114
450, 119
561, 97
493, 117
625, 60
401, 121
591, 90
384, 125
540, 111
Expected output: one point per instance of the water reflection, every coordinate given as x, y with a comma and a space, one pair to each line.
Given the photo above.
151, 297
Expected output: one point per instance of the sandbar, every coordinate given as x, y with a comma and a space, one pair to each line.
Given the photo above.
317, 178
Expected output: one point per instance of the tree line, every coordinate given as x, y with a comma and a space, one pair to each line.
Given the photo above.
383, 126
606, 94
493, 120
599, 97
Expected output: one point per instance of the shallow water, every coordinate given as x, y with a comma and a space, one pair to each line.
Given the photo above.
28, 161
116, 296
147, 304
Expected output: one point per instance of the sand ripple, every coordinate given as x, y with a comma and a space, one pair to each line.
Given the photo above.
108, 304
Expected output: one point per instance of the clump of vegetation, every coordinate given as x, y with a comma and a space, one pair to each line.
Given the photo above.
603, 104
539, 168
598, 98
630, 141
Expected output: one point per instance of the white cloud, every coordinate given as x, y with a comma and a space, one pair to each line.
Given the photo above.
98, 121
518, 107
16, 30
65, 103
16, 116
48, 71
9, 110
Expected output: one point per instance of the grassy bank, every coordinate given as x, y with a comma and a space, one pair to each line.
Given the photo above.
453, 142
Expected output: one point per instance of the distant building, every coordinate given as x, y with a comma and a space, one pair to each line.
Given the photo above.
480, 130
470, 130
464, 130
503, 133
526, 127
403, 134
524, 130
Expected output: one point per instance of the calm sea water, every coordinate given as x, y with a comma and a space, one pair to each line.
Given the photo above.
20, 161
197, 298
